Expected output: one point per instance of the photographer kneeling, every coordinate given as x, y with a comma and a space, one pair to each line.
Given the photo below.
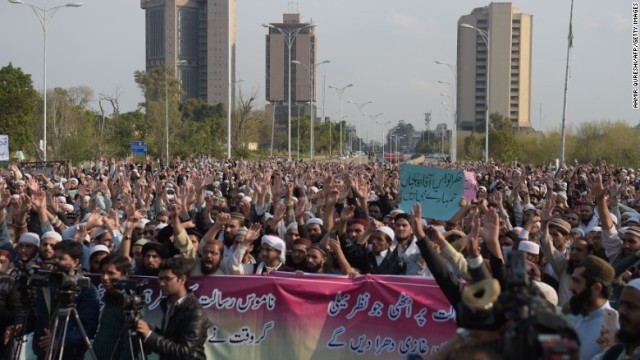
65, 288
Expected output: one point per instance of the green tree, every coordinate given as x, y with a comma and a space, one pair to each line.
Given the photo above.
502, 142
161, 91
18, 101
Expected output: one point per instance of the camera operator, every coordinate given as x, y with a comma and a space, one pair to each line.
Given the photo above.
9, 303
68, 254
111, 341
184, 325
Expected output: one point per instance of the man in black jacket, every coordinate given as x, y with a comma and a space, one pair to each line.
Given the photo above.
184, 324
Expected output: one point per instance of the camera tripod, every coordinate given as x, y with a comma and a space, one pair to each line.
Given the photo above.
64, 313
130, 318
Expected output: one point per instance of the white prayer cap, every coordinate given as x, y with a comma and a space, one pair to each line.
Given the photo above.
52, 235
529, 247
143, 222
29, 238
387, 230
314, 220
547, 292
98, 248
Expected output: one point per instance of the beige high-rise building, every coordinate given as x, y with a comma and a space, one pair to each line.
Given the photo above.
509, 38
303, 88
195, 37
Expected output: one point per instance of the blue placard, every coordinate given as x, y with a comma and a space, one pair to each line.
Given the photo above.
438, 190
139, 147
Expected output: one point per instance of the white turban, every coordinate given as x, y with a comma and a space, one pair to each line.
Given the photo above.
276, 243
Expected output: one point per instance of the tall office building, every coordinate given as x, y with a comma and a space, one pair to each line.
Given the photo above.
510, 61
194, 37
303, 50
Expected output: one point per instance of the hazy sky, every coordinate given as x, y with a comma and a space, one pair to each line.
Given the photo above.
385, 48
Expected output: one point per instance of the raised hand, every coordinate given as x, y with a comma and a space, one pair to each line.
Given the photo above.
596, 188
491, 228
332, 197
280, 210
547, 210
32, 184
347, 212
254, 232
472, 244
39, 200
416, 223
300, 207
95, 219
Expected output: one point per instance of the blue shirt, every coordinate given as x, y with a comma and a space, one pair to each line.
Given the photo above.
588, 328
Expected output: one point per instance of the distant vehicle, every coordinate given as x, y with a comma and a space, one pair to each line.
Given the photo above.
358, 153
394, 157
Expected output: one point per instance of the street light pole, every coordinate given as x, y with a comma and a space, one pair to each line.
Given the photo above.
230, 109
485, 37
454, 130
383, 125
289, 37
360, 106
44, 15
312, 93
373, 120
340, 91
167, 73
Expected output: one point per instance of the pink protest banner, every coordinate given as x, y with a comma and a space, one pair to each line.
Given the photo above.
289, 316
470, 183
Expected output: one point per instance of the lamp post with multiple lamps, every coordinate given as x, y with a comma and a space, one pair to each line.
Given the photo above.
360, 106
312, 93
290, 35
340, 92
484, 34
44, 15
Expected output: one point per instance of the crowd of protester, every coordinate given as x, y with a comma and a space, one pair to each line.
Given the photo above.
578, 227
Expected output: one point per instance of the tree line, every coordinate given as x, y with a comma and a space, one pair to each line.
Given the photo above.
78, 130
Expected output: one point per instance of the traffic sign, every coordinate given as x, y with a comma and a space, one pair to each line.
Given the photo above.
139, 147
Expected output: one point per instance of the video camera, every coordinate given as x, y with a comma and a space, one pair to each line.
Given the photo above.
34, 276
528, 326
132, 301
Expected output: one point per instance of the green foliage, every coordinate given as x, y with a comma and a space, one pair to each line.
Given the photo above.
473, 147
502, 142
18, 102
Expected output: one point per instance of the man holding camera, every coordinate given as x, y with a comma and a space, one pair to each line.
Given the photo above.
184, 324
51, 298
